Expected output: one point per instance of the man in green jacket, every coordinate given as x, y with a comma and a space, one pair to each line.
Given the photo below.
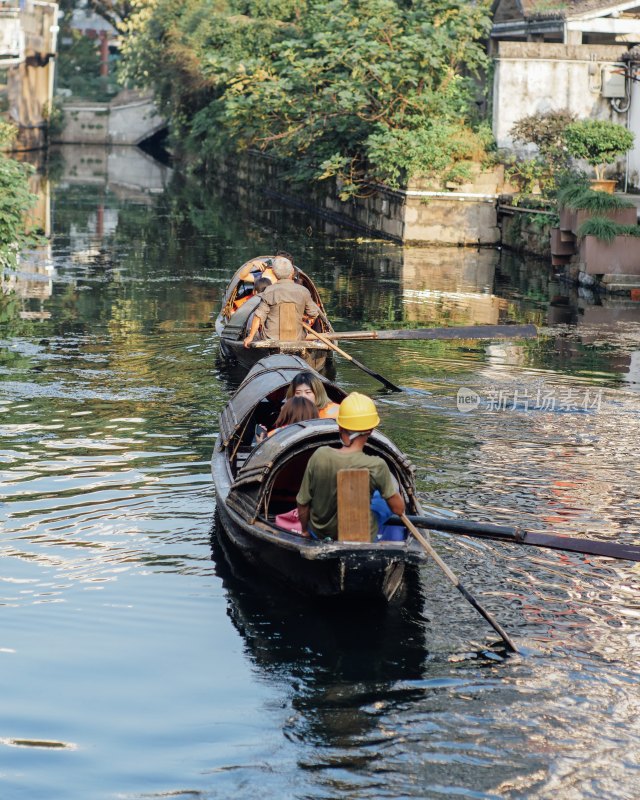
318, 496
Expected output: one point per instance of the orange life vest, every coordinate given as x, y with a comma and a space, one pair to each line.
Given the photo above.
330, 411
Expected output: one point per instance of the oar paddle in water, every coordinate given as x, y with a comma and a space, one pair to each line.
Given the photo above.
453, 332
504, 533
335, 347
456, 582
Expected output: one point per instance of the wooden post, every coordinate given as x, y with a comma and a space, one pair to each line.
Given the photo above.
353, 505
289, 322
104, 54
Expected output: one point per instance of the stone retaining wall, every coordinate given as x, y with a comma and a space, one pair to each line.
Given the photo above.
466, 218
525, 231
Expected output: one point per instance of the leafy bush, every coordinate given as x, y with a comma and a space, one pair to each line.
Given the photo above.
598, 142
529, 175
442, 151
15, 201
547, 131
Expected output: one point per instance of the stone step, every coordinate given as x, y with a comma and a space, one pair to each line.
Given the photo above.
622, 280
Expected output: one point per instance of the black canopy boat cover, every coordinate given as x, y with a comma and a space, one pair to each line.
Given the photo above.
231, 325
255, 483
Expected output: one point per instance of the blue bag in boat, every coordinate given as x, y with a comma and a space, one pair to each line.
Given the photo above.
382, 512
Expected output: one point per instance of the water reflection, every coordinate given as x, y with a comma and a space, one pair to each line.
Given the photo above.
31, 285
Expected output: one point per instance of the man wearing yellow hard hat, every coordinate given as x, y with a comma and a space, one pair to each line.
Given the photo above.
318, 496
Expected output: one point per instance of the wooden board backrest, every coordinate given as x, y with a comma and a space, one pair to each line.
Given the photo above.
353, 505
289, 322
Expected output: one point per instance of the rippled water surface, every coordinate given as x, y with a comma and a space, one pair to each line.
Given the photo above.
137, 662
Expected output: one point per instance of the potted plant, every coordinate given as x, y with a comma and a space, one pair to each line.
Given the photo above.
609, 248
577, 203
599, 142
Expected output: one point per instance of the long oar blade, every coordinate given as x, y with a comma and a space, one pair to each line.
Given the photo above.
468, 332
373, 374
456, 582
503, 533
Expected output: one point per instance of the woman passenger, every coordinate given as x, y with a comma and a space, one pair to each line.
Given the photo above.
295, 409
306, 384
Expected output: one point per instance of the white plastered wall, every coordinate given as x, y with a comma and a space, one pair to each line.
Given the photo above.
634, 125
535, 78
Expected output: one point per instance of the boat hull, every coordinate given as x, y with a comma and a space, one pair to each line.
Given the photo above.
353, 575
317, 357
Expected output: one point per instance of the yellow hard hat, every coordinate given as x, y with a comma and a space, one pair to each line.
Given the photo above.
357, 412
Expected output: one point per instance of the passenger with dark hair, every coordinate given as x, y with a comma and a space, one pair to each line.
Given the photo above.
259, 285
295, 409
306, 384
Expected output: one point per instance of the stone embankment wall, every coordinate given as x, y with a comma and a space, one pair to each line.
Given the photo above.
525, 230
461, 218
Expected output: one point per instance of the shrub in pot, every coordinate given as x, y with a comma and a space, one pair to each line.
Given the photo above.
599, 142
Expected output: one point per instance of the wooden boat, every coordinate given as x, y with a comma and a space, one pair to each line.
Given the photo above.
255, 483
231, 326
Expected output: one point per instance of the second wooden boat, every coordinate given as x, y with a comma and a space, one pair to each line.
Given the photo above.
231, 326
253, 484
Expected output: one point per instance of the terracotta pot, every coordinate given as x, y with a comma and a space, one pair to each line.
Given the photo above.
619, 257
567, 219
571, 219
603, 186
560, 247
623, 216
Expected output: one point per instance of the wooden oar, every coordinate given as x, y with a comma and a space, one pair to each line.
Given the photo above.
329, 343
456, 582
504, 533
472, 332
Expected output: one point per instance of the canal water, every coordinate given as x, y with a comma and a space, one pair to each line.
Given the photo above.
135, 662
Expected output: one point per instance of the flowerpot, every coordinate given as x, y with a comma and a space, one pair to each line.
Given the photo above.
623, 216
567, 219
560, 247
619, 257
603, 186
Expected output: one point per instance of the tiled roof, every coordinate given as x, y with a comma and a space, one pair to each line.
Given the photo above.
563, 8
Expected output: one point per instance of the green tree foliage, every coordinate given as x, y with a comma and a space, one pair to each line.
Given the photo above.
356, 89
598, 141
15, 201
